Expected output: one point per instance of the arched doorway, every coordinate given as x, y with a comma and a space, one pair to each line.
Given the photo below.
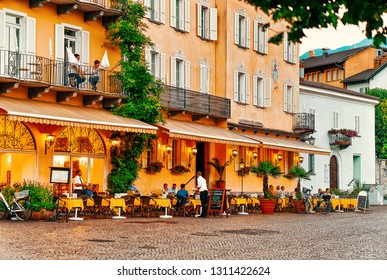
17, 152
82, 148
333, 173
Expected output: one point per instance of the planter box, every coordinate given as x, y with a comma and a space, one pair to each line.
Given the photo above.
42, 214
267, 205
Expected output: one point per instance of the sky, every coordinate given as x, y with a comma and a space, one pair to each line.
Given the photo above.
331, 38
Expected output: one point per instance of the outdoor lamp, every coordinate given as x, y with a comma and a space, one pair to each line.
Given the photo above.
300, 160
167, 151
255, 155
311, 140
278, 159
192, 154
233, 155
241, 164
49, 142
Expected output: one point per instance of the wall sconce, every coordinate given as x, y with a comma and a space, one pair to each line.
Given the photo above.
115, 142
192, 154
167, 151
253, 158
278, 159
311, 140
300, 160
241, 164
233, 155
49, 142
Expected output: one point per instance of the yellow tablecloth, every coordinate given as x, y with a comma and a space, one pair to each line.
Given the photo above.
345, 203
71, 203
253, 200
195, 202
163, 202
238, 201
117, 202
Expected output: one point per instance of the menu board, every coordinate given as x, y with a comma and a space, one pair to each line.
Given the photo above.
362, 200
217, 202
60, 175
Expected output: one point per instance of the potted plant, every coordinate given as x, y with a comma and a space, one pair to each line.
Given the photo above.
219, 167
154, 167
267, 169
179, 169
298, 173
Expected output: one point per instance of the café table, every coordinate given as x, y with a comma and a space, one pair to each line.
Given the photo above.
166, 203
117, 203
240, 201
73, 203
197, 204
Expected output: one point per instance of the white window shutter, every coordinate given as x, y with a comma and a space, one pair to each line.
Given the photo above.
255, 87
173, 71
255, 31
247, 89
157, 10
285, 40
266, 41
294, 58
147, 8
31, 35
162, 68
173, 13
162, 11
247, 33
267, 93
236, 28
213, 24
85, 57
285, 97
187, 72
207, 79
2, 29
157, 66
236, 74
59, 42
201, 78
199, 11
187, 15
148, 58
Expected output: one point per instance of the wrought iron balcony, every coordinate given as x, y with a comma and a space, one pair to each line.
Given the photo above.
40, 72
179, 100
304, 122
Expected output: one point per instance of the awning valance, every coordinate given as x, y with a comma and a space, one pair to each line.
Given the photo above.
288, 145
27, 110
206, 133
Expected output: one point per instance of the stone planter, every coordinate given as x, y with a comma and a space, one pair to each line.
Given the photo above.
42, 214
267, 205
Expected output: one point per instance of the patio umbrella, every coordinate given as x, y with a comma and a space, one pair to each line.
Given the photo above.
105, 61
70, 56
14, 39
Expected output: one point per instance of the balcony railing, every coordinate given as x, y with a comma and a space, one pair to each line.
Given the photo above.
30, 68
107, 4
304, 122
196, 103
339, 140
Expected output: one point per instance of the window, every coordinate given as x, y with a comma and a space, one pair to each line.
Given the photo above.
309, 77
20, 32
155, 10
207, 22
357, 124
328, 76
335, 118
242, 31
314, 77
311, 164
290, 50
260, 37
261, 91
204, 78
339, 74
156, 63
180, 73
334, 78
241, 87
73, 37
180, 12
320, 77
289, 104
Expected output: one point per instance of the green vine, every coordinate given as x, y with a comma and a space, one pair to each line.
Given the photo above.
143, 102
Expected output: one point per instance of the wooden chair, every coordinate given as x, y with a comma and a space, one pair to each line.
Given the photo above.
183, 207
148, 206
132, 204
101, 206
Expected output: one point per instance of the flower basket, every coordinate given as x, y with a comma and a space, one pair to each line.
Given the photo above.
179, 169
244, 171
154, 167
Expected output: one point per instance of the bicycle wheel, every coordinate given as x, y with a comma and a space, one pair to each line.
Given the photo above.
301, 207
323, 207
23, 210
3, 209
309, 206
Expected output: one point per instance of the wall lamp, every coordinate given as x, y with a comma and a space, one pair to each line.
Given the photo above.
167, 151
192, 154
49, 142
233, 155
311, 140
253, 158
300, 160
278, 159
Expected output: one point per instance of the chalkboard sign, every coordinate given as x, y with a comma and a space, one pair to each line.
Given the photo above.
217, 202
361, 201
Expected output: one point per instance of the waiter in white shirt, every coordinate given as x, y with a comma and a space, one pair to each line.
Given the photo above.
202, 188
78, 183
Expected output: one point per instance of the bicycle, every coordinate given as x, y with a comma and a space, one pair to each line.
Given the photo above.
324, 204
305, 205
20, 206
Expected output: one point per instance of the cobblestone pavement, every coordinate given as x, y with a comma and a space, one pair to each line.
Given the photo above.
283, 236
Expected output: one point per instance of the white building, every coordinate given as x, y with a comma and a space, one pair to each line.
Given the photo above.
337, 108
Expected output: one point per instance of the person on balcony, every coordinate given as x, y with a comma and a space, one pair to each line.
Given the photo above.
94, 78
76, 72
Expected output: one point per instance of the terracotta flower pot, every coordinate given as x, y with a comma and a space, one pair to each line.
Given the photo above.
267, 205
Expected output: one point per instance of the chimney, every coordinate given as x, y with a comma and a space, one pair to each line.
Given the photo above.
325, 52
311, 53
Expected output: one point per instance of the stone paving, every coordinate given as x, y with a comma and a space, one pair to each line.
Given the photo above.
283, 236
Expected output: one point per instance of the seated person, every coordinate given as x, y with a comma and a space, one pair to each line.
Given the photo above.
182, 196
94, 78
95, 190
272, 191
281, 192
76, 72
133, 189
164, 191
172, 191
88, 190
